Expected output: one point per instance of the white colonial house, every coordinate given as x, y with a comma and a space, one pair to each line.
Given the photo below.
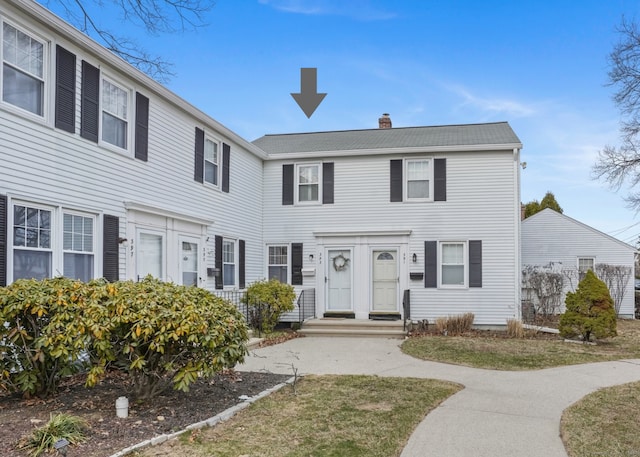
557, 243
106, 173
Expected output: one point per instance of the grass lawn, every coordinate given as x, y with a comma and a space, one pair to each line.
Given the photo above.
605, 423
329, 416
528, 353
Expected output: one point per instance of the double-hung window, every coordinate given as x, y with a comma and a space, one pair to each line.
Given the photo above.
278, 263
23, 70
308, 183
585, 264
211, 161
419, 179
228, 262
115, 114
78, 246
32, 250
452, 264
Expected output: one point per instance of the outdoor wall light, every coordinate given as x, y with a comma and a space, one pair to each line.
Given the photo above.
414, 257
310, 257
61, 446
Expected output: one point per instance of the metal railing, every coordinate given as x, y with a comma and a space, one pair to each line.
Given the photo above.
235, 297
406, 307
306, 305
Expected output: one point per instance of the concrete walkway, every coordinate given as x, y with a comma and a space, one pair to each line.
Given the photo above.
498, 413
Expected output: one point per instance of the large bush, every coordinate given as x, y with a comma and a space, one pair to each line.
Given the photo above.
159, 333
40, 340
267, 301
589, 310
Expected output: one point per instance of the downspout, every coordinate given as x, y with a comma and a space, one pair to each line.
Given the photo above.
517, 222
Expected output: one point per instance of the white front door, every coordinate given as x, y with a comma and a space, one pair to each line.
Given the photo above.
339, 280
150, 257
188, 261
385, 280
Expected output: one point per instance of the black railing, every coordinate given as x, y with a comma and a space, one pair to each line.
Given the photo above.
406, 308
235, 297
306, 305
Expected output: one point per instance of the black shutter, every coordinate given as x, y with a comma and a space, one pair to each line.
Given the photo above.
110, 248
287, 184
65, 90
327, 183
218, 261
241, 263
226, 157
440, 180
475, 263
142, 127
90, 94
3, 240
199, 160
296, 264
396, 180
431, 264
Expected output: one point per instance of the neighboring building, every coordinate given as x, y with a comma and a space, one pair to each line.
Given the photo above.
558, 243
365, 214
106, 173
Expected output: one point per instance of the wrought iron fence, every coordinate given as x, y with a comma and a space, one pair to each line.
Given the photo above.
306, 305
406, 307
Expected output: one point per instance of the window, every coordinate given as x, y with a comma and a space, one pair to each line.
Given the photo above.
419, 179
32, 253
308, 183
115, 114
585, 264
228, 263
211, 161
22, 70
278, 263
452, 264
78, 246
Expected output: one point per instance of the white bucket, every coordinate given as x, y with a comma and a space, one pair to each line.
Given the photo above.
122, 407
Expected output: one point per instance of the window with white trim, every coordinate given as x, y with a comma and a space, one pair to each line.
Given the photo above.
585, 264
50, 241
211, 161
308, 183
229, 263
23, 70
418, 179
115, 113
278, 263
78, 246
453, 264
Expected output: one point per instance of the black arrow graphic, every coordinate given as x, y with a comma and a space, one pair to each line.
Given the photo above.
308, 99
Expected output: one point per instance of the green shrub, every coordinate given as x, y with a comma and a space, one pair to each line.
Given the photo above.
40, 340
61, 426
162, 333
590, 311
267, 301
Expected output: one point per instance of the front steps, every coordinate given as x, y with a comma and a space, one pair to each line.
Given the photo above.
336, 326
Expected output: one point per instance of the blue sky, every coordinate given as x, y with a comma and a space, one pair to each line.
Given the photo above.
540, 65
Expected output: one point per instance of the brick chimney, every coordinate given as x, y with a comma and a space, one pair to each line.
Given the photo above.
384, 122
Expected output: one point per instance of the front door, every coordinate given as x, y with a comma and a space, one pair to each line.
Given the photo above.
385, 280
188, 261
339, 280
150, 254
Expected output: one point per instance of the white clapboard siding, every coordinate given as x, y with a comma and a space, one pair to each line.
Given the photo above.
481, 205
550, 237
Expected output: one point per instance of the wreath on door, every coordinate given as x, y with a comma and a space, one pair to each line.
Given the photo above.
340, 262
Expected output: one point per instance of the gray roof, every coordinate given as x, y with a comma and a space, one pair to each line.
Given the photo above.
498, 133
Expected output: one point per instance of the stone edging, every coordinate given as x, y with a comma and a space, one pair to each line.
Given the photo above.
223, 416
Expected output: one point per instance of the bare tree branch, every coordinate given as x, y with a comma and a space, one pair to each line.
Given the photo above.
154, 16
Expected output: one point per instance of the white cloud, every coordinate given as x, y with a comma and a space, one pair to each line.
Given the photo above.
492, 106
361, 10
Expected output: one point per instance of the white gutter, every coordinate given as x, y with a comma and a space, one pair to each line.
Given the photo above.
518, 220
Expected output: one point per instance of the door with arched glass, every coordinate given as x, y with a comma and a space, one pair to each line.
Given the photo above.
385, 280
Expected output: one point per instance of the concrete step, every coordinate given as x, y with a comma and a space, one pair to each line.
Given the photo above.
353, 327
